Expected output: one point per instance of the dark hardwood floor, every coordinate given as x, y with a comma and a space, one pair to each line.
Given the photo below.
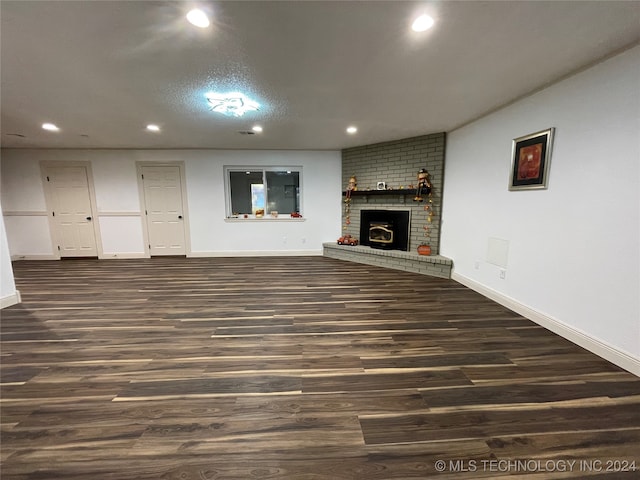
295, 368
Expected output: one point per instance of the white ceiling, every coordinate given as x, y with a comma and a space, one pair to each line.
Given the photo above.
103, 70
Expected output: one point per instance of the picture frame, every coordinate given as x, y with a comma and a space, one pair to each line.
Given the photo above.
530, 160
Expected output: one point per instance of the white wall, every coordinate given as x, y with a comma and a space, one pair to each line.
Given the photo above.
321, 204
23, 202
573, 260
119, 210
8, 294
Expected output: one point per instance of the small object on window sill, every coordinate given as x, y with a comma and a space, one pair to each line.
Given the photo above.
246, 216
295, 215
274, 214
260, 213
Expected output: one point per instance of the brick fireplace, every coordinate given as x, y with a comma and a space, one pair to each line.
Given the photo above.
396, 163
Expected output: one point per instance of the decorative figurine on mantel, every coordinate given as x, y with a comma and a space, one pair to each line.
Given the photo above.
424, 185
353, 183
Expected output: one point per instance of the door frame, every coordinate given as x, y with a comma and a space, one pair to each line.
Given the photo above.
48, 198
143, 206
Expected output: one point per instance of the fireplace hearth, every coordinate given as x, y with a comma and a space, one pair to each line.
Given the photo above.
385, 229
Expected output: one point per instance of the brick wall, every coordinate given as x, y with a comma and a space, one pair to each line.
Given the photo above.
397, 163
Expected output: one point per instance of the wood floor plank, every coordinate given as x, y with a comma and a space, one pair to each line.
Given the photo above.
456, 360
237, 385
383, 381
291, 368
322, 404
529, 393
486, 423
600, 444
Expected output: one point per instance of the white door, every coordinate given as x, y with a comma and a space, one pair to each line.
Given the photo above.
164, 211
71, 211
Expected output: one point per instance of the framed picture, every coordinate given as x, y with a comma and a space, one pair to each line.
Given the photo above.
530, 159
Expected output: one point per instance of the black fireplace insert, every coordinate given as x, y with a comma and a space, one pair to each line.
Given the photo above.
387, 229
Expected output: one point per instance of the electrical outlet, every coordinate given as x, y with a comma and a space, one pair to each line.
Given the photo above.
503, 273
477, 266
284, 239
304, 240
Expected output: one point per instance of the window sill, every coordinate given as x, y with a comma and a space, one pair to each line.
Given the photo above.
264, 219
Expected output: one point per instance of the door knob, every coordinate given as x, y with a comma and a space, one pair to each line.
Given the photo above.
88, 218
179, 216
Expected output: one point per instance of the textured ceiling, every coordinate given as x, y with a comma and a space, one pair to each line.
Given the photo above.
103, 70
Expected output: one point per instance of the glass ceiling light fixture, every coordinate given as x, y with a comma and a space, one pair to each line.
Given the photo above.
422, 23
257, 128
351, 130
234, 104
51, 127
198, 18
153, 128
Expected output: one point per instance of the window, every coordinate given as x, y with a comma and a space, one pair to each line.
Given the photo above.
272, 189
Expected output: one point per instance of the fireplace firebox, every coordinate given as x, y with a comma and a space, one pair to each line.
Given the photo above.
381, 234
387, 229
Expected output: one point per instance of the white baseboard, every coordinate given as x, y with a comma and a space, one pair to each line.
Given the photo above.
35, 257
9, 300
115, 256
103, 256
603, 349
257, 253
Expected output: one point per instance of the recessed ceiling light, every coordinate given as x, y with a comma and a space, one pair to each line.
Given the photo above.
153, 128
257, 128
51, 127
422, 23
198, 18
351, 130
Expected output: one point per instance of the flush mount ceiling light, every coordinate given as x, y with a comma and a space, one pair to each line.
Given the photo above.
198, 18
257, 128
51, 127
422, 23
351, 130
153, 128
233, 104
